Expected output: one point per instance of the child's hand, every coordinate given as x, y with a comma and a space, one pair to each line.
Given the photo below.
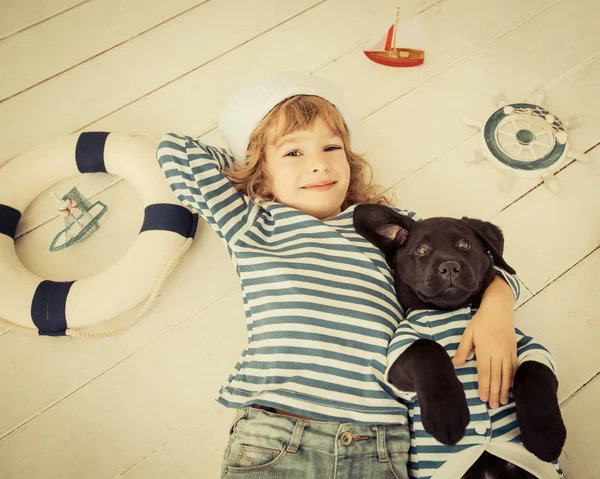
492, 332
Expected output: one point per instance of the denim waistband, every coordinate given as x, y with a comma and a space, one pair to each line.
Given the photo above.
341, 438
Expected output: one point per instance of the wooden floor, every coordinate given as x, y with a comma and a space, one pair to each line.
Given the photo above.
142, 405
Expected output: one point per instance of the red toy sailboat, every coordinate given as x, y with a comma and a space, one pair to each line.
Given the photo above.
386, 53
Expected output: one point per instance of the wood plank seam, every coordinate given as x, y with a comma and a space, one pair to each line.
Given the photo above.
10, 34
103, 51
565, 401
558, 277
203, 64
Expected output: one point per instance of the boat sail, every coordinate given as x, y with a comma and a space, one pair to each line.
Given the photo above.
409, 34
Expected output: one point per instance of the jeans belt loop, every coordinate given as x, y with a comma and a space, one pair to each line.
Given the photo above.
296, 435
382, 453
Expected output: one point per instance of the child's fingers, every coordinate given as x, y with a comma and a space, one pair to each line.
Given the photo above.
507, 374
495, 382
483, 377
464, 348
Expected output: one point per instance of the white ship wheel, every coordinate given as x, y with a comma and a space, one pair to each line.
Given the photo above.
525, 137
526, 140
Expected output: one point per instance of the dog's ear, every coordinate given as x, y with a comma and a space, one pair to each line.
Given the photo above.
491, 237
382, 226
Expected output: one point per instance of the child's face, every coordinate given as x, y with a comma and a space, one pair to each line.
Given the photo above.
309, 170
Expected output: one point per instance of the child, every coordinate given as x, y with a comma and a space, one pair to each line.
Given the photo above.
319, 299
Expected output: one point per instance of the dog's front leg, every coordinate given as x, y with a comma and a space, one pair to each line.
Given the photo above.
426, 368
543, 431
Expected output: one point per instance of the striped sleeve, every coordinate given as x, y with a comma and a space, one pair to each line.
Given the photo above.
404, 336
512, 281
193, 171
530, 350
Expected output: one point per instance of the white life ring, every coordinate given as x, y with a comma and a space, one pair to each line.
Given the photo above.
60, 308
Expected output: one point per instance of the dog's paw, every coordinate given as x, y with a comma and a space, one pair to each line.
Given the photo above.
543, 431
541, 437
444, 411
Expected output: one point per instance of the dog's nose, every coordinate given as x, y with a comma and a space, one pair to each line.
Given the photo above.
449, 269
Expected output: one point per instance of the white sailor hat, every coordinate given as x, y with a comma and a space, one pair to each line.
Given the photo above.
249, 106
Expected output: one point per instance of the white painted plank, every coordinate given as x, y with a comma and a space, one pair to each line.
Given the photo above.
454, 28
422, 125
546, 233
77, 35
226, 75
196, 453
110, 81
143, 402
312, 39
473, 190
564, 318
580, 455
309, 42
16, 15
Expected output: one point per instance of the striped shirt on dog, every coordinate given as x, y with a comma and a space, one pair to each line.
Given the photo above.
492, 430
319, 299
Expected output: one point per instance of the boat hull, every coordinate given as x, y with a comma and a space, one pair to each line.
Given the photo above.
413, 59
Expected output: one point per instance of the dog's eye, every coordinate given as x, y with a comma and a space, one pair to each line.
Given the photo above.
464, 245
422, 250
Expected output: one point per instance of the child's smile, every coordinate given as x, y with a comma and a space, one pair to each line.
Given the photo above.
320, 186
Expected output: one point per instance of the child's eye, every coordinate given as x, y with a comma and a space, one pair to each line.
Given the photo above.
333, 147
292, 153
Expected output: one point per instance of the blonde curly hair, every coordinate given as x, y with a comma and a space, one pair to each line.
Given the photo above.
298, 113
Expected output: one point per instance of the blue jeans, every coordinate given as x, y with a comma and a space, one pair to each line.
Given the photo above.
265, 445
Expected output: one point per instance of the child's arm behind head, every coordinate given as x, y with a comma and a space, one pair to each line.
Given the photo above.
193, 171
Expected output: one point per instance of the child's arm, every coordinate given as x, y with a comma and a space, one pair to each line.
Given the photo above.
492, 332
193, 171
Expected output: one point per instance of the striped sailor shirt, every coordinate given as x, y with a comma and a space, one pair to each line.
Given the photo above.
492, 430
319, 299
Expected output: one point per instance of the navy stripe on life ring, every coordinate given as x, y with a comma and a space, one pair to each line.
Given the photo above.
9, 219
89, 152
168, 217
48, 307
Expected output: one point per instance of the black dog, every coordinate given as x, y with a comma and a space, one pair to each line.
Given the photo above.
445, 264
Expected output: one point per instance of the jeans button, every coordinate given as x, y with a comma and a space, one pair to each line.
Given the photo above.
346, 438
